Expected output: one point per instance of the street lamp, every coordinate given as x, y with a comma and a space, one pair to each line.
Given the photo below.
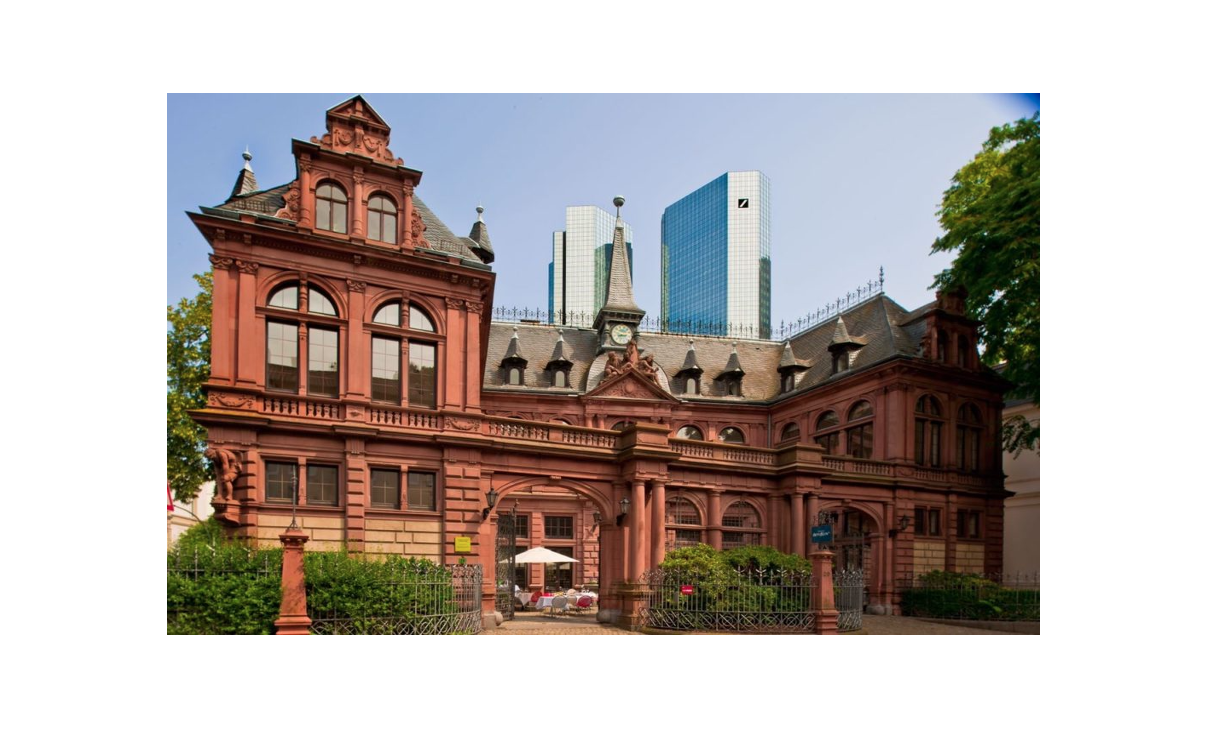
492, 496
623, 510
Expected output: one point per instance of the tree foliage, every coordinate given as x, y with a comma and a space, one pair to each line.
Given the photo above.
992, 216
187, 371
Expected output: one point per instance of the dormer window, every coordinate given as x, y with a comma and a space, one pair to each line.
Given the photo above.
561, 379
515, 376
382, 220
841, 361
788, 382
691, 386
331, 203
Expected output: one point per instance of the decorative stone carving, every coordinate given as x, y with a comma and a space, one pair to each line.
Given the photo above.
219, 235
454, 304
474, 307
247, 266
356, 286
291, 209
453, 278
226, 470
417, 227
459, 423
221, 263
631, 361
232, 400
358, 259
247, 238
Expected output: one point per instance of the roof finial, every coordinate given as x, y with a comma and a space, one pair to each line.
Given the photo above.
247, 159
881, 278
619, 202
479, 209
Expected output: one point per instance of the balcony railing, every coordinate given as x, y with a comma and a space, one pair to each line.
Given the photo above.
300, 406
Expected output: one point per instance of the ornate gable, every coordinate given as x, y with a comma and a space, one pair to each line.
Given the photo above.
354, 127
630, 384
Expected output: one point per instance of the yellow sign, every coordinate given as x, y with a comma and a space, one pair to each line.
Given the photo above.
461, 544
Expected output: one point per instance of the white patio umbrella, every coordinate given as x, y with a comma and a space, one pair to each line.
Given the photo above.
542, 555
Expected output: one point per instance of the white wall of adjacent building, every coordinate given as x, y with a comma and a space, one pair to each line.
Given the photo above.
181, 519
1022, 511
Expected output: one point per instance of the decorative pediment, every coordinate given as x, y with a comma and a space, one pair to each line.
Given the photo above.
354, 127
630, 384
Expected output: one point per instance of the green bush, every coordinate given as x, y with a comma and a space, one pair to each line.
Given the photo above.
730, 581
968, 596
376, 594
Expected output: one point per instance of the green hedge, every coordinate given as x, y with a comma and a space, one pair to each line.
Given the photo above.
967, 596
730, 581
216, 586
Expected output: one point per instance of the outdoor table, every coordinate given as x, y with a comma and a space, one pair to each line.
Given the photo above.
523, 597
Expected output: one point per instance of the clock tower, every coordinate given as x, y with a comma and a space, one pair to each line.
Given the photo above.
619, 318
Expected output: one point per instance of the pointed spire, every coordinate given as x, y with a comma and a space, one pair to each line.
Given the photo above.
478, 233
514, 351
557, 355
788, 363
732, 365
689, 361
619, 285
840, 334
246, 182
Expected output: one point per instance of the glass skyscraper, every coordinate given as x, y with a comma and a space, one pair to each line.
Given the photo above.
715, 257
581, 263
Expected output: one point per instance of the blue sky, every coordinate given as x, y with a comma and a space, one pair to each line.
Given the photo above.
856, 179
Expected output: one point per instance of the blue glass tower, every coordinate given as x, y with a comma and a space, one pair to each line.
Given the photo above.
715, 258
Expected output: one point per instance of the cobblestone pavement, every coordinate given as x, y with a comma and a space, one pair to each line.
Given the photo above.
893, 625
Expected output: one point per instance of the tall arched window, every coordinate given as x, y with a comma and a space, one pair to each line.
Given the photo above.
732, 435
962, 351
691, 386
740, 525
420, 360
928, 432
941, 347
682, 523
790, 432
282, 347
690, 432
560, 379
620, 426
827, 432
969, 438
331, 204
859, 430
381, 219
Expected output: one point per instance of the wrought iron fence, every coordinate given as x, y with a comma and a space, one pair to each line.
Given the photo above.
235, 590
698, 327
442, 601
745, 602
848, 589
972, 596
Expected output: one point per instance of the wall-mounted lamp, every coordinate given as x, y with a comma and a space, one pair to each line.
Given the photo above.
903, 524
492, 496
623, 510
597, 517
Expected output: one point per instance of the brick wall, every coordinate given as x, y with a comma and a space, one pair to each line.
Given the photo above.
970, 558
928, 556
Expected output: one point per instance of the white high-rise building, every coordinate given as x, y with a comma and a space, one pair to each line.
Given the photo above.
581, 263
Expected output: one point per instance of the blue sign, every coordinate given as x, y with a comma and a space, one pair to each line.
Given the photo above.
822, 534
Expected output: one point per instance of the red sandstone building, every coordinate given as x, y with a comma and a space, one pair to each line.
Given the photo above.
358, 376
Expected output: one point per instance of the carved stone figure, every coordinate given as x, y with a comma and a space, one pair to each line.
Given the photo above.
612, 366
645, 366
226, 470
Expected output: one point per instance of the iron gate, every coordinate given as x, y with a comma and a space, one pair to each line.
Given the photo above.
849, 595
505, 563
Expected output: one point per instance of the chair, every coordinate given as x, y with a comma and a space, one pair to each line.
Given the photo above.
583, 604
559, 604
534, 597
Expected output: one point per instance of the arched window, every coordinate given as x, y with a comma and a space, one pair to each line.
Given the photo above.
859, 436
691, 386
560, 380
420, 361
286, 296
516, 376
388, 315
331, 207
731, 435
682, 523
969, 438
561, 420
620, 426
790, 432
928, 431
689, 432
740, 525
827, 434
962, 351
381, 219
283, 351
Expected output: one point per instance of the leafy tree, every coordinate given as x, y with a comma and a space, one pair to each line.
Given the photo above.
187, 371
991, 215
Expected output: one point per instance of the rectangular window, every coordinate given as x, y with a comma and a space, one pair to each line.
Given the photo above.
322, 485
386, 370
686, 538
927, 522
384, 488
523, 527
559, 575
858, 441
933, 523
936, 434
421, 375
280, 482
920, 442
828, 443
322, 362
281, 357
558, 527
969, 524
420, 490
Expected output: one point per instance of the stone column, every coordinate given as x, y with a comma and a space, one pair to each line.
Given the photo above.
357, 366
658, 518
222, 351
293, 617
453, 366
636, 519
822, 600
774, 538
473, 357
813, 507
798, 534
251, 353
714, 532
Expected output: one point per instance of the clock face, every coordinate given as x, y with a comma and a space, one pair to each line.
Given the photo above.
621, 334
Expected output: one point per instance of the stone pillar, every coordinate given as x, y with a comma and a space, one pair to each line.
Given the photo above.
774, 538
822, 599
658, 518
356, 368
452, 378
714, 532
813, 507
473, 357
293, 617
251, 353
354, 493
636, 519
222, 351
798, 534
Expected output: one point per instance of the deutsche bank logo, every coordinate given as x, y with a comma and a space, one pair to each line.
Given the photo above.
743, 203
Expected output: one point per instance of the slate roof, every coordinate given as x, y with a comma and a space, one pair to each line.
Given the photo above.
887, 329
619, 288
